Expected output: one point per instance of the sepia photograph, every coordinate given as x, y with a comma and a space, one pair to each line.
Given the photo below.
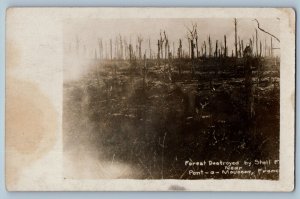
150, 99
171, 98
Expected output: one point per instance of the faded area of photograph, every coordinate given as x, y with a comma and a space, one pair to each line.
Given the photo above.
171, 98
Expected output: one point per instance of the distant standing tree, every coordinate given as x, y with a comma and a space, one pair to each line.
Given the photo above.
216, 49
158, 49
225, 47
209, 46
161, 41
193, 39
235, 37
130, 51
110, 42
140, 40
166, 45
204, 48
180, 49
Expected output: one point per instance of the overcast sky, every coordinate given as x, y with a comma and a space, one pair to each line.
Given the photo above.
89, 31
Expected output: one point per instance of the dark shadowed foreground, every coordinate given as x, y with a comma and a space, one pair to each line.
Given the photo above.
144, 119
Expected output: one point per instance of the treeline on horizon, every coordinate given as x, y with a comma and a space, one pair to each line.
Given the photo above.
120, 48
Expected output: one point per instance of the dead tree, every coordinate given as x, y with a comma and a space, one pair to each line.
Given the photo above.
121, 48
242, 43
240, 48
161, 41
221, 50
258, 26
106, 51
271, 50
167, 47
204, 48
249, 100
209, 47
193, 40
253, 40
235, 37
136, 50
196, 38
168, 50
260, 48
192, 49
265, 47
158, 49
125, 49
140, 40
256, 42
272, 36
150, 52
110, 42
189, 43
130, 52
100, 48
116, 56
180, 49
216, 49
250, 44
225, 46
173, 52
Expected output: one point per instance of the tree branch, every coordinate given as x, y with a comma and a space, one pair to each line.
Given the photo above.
266, 31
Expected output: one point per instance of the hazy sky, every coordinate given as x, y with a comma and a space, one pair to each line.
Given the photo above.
89, 31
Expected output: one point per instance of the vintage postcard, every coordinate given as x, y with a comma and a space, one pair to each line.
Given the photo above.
150, 99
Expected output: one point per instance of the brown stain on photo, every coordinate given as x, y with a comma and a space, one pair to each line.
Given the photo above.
13, 55
31, 127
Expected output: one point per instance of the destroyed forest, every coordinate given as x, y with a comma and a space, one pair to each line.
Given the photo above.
142, 105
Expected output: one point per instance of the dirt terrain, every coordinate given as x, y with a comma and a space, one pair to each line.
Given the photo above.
155, 114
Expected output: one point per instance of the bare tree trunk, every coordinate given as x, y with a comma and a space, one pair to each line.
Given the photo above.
265, 47
140, 40
216, 50
130, 52
110, 49
150, 52
204, 49
158, 49
180, 49
121, 48
116, 48
235, 37
100, 48
242, 42
173, 52
271, 47
240, 48
192, 49
197, 46
225, 47
256, 41
189, 47
260, 48
210, 48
